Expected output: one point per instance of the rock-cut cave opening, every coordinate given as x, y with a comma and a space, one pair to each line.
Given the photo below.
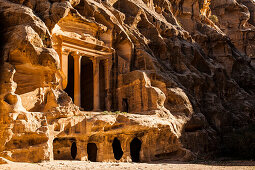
92, 152
135, 148
117, 150
73, 150
64, 148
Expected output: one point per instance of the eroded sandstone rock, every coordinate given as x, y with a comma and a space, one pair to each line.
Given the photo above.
173, 78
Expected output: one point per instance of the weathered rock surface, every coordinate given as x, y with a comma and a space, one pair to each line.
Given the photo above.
183, 70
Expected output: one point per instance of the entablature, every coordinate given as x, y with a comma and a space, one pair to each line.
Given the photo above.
85, 48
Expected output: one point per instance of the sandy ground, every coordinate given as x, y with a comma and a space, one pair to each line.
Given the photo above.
162, 165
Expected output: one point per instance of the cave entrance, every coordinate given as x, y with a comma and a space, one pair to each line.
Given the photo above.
117, 150
73, 150
92, 152
87, 86
70, 77
64, 148
135, 148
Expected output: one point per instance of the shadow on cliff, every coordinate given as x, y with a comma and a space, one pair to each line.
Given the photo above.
2, 40
239, 144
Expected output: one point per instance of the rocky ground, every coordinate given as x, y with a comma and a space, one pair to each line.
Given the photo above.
160, 165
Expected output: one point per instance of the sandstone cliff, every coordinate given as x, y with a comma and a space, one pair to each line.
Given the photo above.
183, 70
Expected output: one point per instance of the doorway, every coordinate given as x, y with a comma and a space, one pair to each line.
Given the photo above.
117, 150
73, 150
92, 152
87, 87
125, 105
135, 148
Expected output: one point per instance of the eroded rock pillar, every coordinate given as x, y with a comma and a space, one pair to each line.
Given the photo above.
96, 85
77, 79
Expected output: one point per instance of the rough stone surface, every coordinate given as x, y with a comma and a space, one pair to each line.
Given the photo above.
182, 70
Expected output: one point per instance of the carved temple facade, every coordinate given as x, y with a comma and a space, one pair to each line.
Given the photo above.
95, 73
85, 62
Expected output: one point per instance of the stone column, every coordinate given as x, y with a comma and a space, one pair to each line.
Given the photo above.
63, 73
96, 85
64, 62
107, 84
77, 79
106, 69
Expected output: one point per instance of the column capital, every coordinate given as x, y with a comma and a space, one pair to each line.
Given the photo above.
76, 55
106, 60
65, 50
94, 59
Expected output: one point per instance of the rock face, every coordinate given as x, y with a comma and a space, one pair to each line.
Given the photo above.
124, 80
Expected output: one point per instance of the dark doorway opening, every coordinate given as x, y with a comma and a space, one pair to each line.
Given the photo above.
87, 87
92, 152
102, 84
117, 150
125, 105
135, 148
73, 150
70, 77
